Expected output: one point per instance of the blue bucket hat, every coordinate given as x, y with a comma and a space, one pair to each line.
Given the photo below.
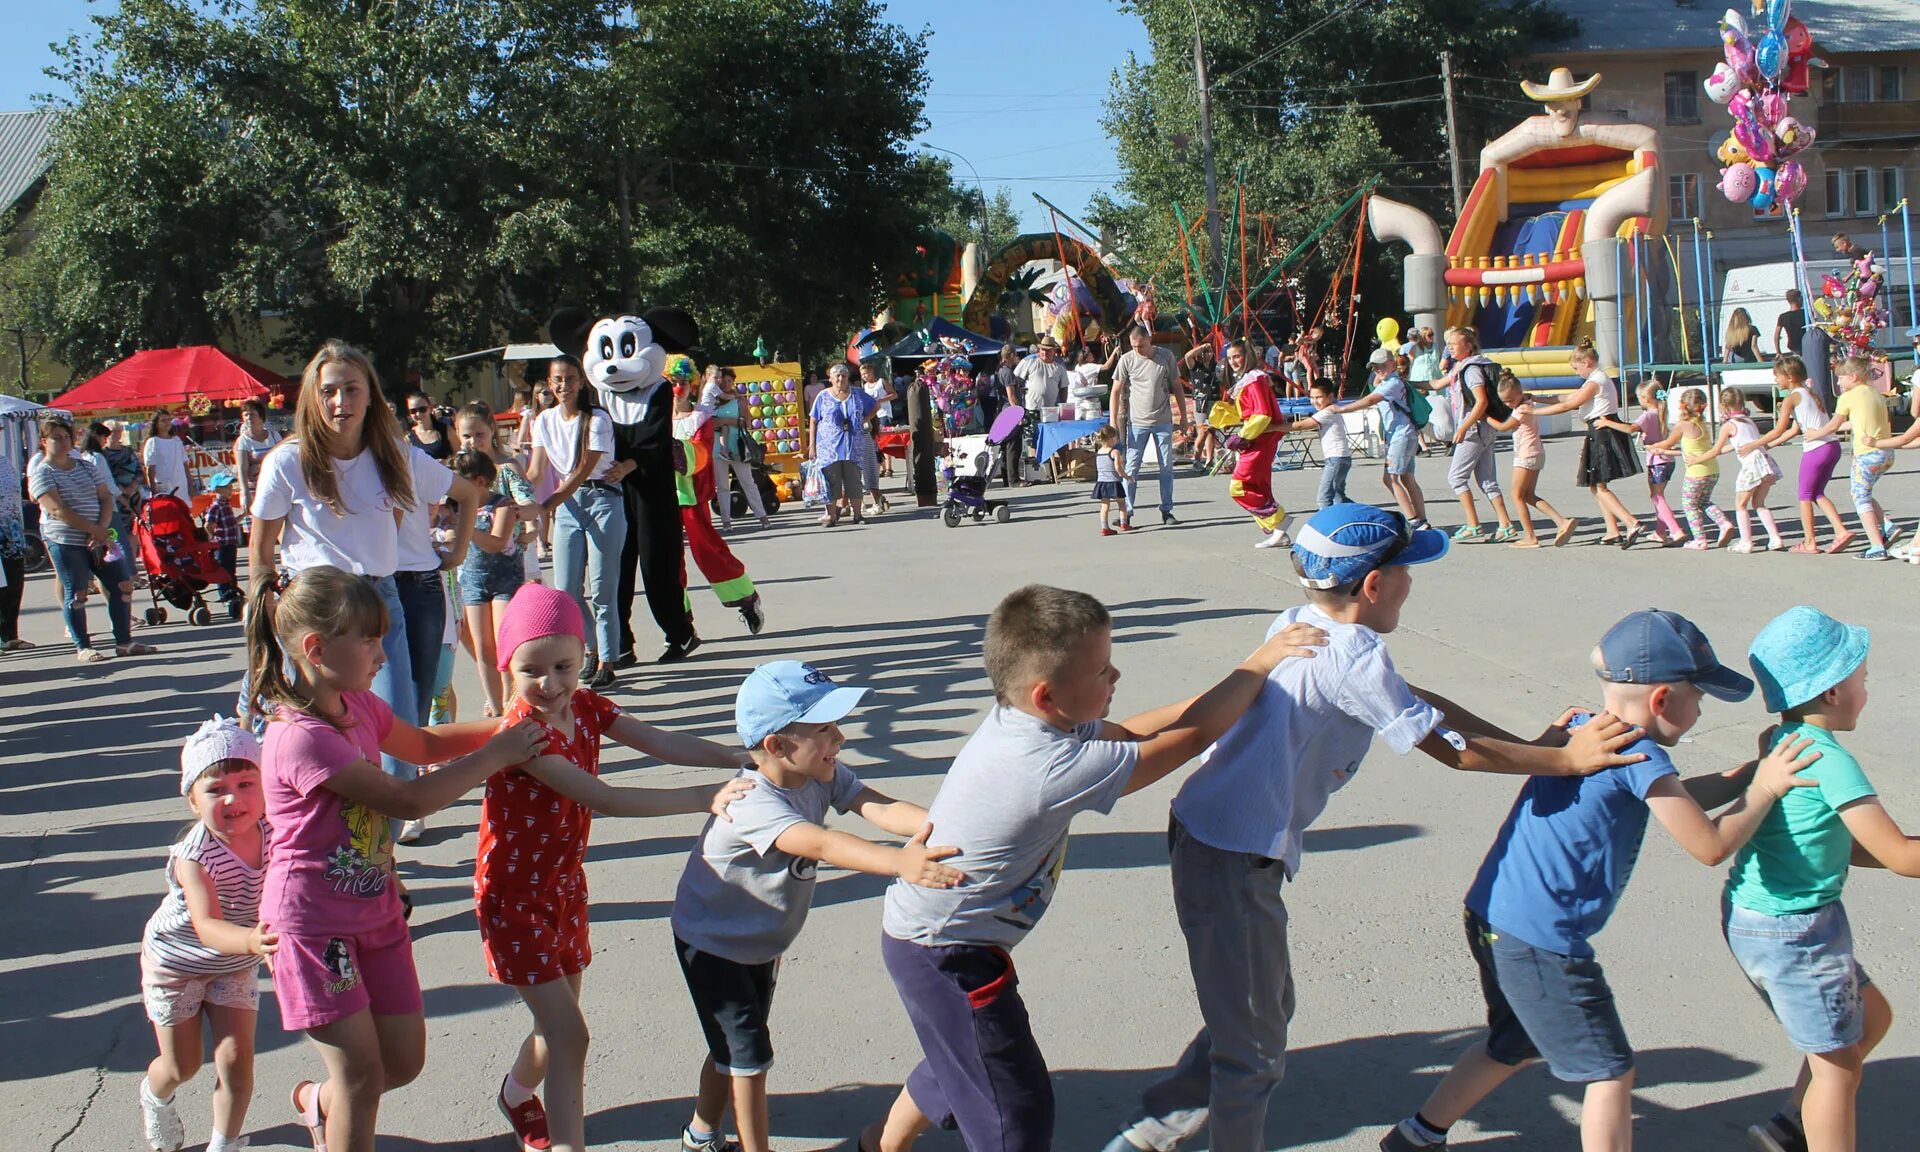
788, 692
1652, 646
1803, 652
1344, 542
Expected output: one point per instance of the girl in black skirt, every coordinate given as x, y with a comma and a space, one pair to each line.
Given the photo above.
1608, 453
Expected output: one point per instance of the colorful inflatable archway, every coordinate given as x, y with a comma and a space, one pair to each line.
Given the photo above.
1086, 263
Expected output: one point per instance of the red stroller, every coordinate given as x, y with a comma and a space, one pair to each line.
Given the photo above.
179, 562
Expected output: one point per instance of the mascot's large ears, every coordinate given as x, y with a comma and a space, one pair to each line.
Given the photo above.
567, 329
673, 329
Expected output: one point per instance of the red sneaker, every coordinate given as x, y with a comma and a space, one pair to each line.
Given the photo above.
529, 1122
1106, 531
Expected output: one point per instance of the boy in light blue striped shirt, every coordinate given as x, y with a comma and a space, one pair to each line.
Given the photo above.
1238, 822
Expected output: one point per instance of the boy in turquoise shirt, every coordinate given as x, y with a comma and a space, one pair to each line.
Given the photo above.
1782, 913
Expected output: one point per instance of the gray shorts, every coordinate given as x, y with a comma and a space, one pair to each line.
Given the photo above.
1473, 462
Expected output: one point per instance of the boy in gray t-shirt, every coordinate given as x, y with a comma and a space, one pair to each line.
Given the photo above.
744, 895
1045, 753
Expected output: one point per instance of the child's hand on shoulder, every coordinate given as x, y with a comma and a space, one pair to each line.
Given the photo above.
515, 744
1295, 639
262, 940
1557, 732
1596, 745
729, 792
919, 864
1779, 770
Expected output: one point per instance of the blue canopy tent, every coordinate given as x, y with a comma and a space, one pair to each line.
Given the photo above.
942, 337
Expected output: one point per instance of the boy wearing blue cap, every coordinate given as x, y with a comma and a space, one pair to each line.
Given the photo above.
1239, 820
1044, 754
1782, 914
748, 883
1557, 870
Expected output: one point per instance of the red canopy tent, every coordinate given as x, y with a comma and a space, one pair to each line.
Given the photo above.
166, 378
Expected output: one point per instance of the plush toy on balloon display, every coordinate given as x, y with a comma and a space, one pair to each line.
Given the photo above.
1850, 308
1765, 62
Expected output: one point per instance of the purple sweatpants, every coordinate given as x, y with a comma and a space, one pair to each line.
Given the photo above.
1816, 469
982, 1072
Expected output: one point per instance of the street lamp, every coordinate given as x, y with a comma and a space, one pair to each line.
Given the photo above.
986, 232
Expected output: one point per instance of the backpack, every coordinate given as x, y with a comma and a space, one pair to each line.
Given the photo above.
1490, 379
1418, 409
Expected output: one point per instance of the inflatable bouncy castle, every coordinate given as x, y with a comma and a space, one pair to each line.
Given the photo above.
1544, 251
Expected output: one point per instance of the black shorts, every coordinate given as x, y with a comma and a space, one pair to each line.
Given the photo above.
1544, 1004
733, 1001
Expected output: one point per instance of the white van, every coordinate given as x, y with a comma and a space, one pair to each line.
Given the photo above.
1762, 290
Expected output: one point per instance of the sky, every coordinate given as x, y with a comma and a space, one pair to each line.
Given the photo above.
1017, 85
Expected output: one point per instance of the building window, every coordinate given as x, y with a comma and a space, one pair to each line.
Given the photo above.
1892, 189
1836, 191
1863, 191
1856, 85
1887, 83
1683, 97
1683, 196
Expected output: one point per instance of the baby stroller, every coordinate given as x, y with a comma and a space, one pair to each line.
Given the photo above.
971, 463
179, 562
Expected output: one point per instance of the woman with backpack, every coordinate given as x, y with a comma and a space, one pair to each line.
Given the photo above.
1608, 454
1405, 414
1475, 380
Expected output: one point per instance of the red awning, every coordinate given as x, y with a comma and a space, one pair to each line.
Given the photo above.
168, 377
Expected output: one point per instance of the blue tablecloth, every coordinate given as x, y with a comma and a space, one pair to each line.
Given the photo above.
1055, 436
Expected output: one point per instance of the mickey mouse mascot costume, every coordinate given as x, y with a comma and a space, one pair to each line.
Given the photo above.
625, 359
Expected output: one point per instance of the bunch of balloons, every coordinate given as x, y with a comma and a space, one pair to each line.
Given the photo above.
1849, 307
1754, 83
949, 380
771, 409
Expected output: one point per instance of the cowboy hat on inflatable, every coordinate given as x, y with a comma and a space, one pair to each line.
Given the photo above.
625, 359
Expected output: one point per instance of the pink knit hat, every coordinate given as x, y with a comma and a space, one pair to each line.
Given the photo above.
536, 612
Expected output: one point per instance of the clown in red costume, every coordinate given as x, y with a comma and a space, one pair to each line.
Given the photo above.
1255, 441
693, 428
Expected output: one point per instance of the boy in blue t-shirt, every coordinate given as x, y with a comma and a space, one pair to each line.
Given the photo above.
1559, 865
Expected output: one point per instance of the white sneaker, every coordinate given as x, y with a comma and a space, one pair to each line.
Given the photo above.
410, 831
1278, 539
165, 1132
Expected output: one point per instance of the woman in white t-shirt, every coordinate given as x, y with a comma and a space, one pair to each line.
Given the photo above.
573, 442
250, 445
165, 457
331, 494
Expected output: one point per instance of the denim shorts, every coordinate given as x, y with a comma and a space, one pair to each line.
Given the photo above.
1659, 471
1543, 1004
1803, 967
485, 577
1401, 447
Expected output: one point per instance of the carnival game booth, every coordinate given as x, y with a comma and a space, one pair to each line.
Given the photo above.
772, 412
202, 384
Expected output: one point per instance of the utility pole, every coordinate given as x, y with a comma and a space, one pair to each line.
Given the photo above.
1216, 274
1453, 132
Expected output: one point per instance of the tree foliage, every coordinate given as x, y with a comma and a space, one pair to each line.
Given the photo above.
430, 176
1310, 99
954, 207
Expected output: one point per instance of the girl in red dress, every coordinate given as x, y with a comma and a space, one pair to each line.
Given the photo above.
530, 881
1261, 429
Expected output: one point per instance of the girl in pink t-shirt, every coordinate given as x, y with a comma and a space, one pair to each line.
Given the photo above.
344, 969
1529, 457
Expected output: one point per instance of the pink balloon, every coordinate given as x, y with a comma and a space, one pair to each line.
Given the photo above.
1756, 140
1789, 181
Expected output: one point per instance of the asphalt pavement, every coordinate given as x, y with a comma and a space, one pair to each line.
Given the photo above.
1387, 994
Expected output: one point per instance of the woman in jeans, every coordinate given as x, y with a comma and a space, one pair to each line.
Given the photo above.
328, 494
573, 442
76, 522
839, 418
13, 556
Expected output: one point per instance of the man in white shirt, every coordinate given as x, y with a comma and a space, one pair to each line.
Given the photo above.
1046, 380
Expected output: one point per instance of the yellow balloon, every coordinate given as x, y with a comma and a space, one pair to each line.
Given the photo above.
1389, 332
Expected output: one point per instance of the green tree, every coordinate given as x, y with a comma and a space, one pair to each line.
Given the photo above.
428, 176
954, 206
1310, 99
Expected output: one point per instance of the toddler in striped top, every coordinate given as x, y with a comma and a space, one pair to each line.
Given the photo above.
201, 949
